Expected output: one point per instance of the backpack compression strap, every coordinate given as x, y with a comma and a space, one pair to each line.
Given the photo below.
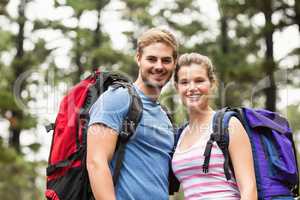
221, 136
128, 128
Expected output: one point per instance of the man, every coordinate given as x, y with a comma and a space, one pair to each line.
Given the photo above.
144, 173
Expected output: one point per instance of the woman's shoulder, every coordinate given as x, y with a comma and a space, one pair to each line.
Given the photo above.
235, 124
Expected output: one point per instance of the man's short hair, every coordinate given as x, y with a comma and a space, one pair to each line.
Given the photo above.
156, 35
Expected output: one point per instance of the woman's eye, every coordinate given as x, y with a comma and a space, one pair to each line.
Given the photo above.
183, 82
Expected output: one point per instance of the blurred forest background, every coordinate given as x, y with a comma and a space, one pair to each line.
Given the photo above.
46, 46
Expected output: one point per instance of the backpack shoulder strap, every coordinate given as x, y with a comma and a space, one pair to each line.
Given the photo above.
220, 135
214, 137
224, 143
174, 183
129, 126
175, 130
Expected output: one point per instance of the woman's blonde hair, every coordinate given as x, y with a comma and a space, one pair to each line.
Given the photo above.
195, 58
155, 35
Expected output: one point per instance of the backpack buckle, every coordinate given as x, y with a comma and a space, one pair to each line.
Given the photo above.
49, 127
215, 137
128, 130
124, 136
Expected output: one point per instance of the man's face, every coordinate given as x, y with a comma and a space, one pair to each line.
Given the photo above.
156, 64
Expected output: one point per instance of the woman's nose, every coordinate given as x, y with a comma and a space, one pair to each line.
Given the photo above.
192, 86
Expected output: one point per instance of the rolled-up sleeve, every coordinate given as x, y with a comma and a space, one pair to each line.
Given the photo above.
111, 108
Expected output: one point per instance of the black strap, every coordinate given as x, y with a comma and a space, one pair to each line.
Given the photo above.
119, 161
52, 168
128, 128
216, 136
174, 183
206, 154
223, 143
295, 190
103, 81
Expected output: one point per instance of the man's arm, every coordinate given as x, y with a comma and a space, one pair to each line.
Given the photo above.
101, 144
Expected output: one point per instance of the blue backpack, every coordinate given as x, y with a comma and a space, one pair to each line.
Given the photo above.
273, 149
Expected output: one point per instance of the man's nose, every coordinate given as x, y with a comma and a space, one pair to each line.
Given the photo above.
159, 66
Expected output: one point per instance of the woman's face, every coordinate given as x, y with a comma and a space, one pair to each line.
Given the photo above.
194, 86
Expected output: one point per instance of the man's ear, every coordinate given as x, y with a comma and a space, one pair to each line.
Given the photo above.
138, 59
175, 61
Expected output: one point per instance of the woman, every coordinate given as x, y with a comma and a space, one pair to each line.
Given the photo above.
195, 82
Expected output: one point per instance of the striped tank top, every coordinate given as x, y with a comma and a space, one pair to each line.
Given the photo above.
196, 185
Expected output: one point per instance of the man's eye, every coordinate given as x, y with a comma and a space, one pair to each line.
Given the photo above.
166, 61
151, 59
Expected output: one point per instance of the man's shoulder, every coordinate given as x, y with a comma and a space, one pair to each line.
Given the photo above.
117, 96
113, 99
110, 108
120, 92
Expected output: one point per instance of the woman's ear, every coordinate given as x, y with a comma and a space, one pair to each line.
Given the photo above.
176, 85
214, 87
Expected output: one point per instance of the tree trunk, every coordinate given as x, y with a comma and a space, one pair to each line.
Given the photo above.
270, 67
14, 139
223, 101
224, 31
297, 13
20, 39
15, 131
97, 41
78, 52
78, 62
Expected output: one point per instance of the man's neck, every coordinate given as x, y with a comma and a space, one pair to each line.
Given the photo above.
149, 91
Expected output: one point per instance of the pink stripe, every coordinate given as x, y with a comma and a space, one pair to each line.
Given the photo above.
180, 161
193, 148
204, 175
211, 184
197, 168
201, 194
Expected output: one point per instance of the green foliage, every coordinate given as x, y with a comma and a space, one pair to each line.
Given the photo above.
81, 5
137, 12
236, 51
3, 4
6, 101
17, 176
293, 114
5, 42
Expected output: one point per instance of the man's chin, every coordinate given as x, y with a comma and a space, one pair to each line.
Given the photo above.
155, 84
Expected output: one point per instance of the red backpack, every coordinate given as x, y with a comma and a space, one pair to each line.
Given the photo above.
67, 177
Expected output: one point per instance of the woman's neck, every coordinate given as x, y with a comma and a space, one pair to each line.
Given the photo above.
202, 116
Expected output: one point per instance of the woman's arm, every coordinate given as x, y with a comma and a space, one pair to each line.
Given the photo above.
242, 160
